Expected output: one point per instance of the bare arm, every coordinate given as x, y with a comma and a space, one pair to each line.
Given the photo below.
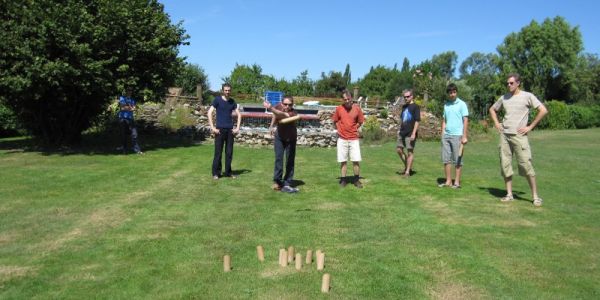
272, 126
413, 135
465, 134
275, 111
494, 117
210, 120
239, 120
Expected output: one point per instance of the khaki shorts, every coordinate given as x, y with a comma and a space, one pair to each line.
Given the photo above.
405, 142
450, 149
348, 149
519, 146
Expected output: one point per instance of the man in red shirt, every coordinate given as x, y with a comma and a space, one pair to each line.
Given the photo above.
348, 118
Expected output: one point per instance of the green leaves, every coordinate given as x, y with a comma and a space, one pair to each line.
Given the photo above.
61, 62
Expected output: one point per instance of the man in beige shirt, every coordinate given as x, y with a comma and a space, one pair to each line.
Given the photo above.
513, 134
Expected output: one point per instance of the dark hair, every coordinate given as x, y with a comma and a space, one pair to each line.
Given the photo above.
224, 85
451, 88
347, 93
516, 76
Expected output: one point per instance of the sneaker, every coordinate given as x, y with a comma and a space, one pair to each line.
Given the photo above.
215, 177
276, 186
288, 189
343, 183
537, 202
507, 198
358, 184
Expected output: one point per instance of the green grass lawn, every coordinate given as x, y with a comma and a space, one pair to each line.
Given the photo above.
92, 224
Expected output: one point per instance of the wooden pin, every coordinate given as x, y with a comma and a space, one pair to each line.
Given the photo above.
260, 252
282, 257
308, 257
320, 261
298, 261
325, 283
290, 253
226, 263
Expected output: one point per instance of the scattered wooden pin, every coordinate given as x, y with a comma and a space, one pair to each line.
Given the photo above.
320, 260
290, 257
282, 257
325, 283
260, 252
226, 263
298, 261
308, 257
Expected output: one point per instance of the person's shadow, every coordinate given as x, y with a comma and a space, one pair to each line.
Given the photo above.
297, 183
240, 172
499, 193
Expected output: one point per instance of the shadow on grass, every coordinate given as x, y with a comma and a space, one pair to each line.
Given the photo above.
499, 193
102, 143
240, 172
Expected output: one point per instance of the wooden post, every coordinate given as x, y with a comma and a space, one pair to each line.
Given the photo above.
260, 252
325, 283
308, 257
298, 261
226, 263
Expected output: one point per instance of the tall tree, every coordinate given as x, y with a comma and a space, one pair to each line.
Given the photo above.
347, 75
60, 63
444, 64
302, 85
545, 55
190, 77
481, 72
586, 86
330, 85
248, 80
405, 65
375, 83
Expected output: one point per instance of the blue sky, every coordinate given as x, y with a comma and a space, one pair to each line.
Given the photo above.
288, 37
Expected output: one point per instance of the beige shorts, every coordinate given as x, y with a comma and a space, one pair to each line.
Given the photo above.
405, 142
348, 149
519, 146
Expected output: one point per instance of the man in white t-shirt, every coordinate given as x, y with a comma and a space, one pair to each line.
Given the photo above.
513, 134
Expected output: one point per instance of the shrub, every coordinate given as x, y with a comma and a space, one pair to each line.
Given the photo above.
176, 117
384, 114
559, 116
9, 126
371, 130
582, 116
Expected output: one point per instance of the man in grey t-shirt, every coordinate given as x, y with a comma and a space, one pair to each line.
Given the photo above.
513, 134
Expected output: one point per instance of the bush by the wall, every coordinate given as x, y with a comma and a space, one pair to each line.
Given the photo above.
371, 130
558, 117
582, 116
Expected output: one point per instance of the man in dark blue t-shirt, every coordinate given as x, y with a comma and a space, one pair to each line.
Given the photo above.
126, 108
224, 131
408, 133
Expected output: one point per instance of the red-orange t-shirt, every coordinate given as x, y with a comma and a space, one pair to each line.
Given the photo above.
348, 121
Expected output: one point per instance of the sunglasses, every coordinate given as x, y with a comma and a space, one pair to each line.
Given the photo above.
287, 104
511, 82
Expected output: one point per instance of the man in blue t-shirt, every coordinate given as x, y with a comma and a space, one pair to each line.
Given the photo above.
126, 108
408, 133
455, 125
223, 106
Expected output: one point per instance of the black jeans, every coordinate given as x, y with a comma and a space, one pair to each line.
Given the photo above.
224, 138
127, 128
289, 149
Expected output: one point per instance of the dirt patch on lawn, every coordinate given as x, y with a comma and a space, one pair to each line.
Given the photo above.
11, 272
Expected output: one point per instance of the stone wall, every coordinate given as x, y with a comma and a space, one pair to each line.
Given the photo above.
312, 136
